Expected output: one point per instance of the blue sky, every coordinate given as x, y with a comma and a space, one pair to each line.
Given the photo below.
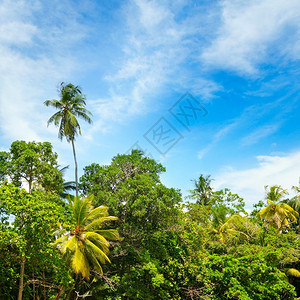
238, 60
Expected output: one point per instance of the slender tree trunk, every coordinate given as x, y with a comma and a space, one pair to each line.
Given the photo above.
44, 281
33, 286
21, 278
75, 160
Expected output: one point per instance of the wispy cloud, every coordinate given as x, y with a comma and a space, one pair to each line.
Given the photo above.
250, 30
260, 133
31, 63
271, 170
159, 47
218, 136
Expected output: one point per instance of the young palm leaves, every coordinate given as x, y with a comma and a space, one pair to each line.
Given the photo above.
86, 245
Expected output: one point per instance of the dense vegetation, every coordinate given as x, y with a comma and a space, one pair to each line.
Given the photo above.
125, 235
161, 247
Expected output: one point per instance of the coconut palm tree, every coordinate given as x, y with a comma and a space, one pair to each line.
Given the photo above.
229, 227
280, 214
202, 191
295, 201
275, 193
86, 246
70, 106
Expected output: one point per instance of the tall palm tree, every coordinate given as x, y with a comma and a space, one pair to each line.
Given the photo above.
70, 106
202, 191
86, 245
279, 214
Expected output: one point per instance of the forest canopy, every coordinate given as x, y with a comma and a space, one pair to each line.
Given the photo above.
129, 236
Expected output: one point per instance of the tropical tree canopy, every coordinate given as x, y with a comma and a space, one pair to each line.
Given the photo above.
279, 215
202, 191
32, 162
169, 249
86, 245
230, 227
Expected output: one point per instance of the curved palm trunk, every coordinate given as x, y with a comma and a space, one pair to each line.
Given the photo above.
75, 160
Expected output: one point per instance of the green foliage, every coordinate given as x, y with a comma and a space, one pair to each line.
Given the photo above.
70, 106
202, 191
33, 162
146, 209
248, 277
26, 236
280, 215
85, 246
103, 180
169, 252
209, 249
4, 164
131, 188
231, 203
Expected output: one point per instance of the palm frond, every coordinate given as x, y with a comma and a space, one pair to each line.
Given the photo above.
93, 260
98, 212
85, 246
110, 234
292, 272
83, 114
56, 118
54, 103
70, 244
63, 239
97, 224
80, 263
81, 209
99, 254
98, 239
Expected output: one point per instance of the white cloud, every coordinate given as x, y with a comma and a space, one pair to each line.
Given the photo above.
32, 64
157, 47
151, 13
16, 33
271, 170
249, 29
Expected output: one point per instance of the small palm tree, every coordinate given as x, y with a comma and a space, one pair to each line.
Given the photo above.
86, 245
280, 214
202, 191
295, 201
229, 227
67, 186
70, 106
